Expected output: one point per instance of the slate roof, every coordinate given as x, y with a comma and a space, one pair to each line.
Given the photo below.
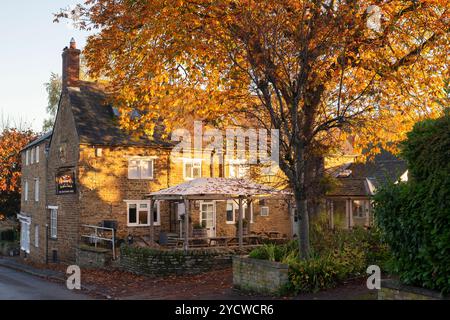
96, 122
37, 141
366, 176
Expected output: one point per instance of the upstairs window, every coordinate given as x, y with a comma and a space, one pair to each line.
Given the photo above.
25, 190
140, 168
27, 157
238, 170
37, 154
192, 169
36, 190
32, 156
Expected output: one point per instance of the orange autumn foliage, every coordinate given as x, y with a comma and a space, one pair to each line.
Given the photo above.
316, 70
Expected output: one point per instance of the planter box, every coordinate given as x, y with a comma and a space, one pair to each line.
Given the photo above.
394, 290
259, 276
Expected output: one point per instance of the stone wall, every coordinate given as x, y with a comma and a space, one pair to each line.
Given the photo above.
260, 276
393, 290
162, 262
93, 258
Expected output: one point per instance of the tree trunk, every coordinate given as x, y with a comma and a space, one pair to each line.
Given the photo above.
303, 231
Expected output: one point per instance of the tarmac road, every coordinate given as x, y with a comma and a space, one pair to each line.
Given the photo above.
16, 285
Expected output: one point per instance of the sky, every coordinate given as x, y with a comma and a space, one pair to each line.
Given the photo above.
30, 50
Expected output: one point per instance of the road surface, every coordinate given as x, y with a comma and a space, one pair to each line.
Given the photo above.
16, 285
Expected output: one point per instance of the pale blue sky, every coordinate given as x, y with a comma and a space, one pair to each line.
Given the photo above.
30, 49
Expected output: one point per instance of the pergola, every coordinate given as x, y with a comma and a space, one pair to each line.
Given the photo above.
214, 189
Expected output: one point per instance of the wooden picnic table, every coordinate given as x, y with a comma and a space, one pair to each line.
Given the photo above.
221, 240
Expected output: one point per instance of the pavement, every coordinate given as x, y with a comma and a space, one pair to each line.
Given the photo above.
22, 282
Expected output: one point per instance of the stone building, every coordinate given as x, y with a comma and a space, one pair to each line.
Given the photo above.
88, 171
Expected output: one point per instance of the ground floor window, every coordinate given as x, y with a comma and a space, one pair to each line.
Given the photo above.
138, 213
232, 211
348, 213
25, 223
36, 235
54, 223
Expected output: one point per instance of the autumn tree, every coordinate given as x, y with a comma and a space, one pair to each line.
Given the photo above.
53, 88
315, 70
12, 141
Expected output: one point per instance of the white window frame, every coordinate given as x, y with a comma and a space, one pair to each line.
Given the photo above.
36, 190
53, 222
149, 216
140, 161
37, 154
193, 162
36, 235
25, 190
226, 213
236, 211
238, 168
25, 223
262, 209
32, 155
27, 157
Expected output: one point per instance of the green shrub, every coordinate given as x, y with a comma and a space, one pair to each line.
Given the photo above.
336, 256
314, 274
415, 216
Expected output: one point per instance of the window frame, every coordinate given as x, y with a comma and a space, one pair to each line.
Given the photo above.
261, 211
36, 190
232, 209
27, 157
237, 167
25, 190
37, 154
36, 235
53, 222
139, 161
149, 214
193, 163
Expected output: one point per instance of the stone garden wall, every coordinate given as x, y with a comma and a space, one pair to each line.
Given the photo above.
162, 262
393, 290
260, 276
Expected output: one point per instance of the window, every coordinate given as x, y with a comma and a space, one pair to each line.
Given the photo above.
26, 191
37, 154
140, 169
36, 235
53, 223
32, 155
36, 190
25, 234
27, 157
192, 169
230, 212
264, 211
138, 213
238, 170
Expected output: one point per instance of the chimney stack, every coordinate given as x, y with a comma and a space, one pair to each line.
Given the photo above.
71, 65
